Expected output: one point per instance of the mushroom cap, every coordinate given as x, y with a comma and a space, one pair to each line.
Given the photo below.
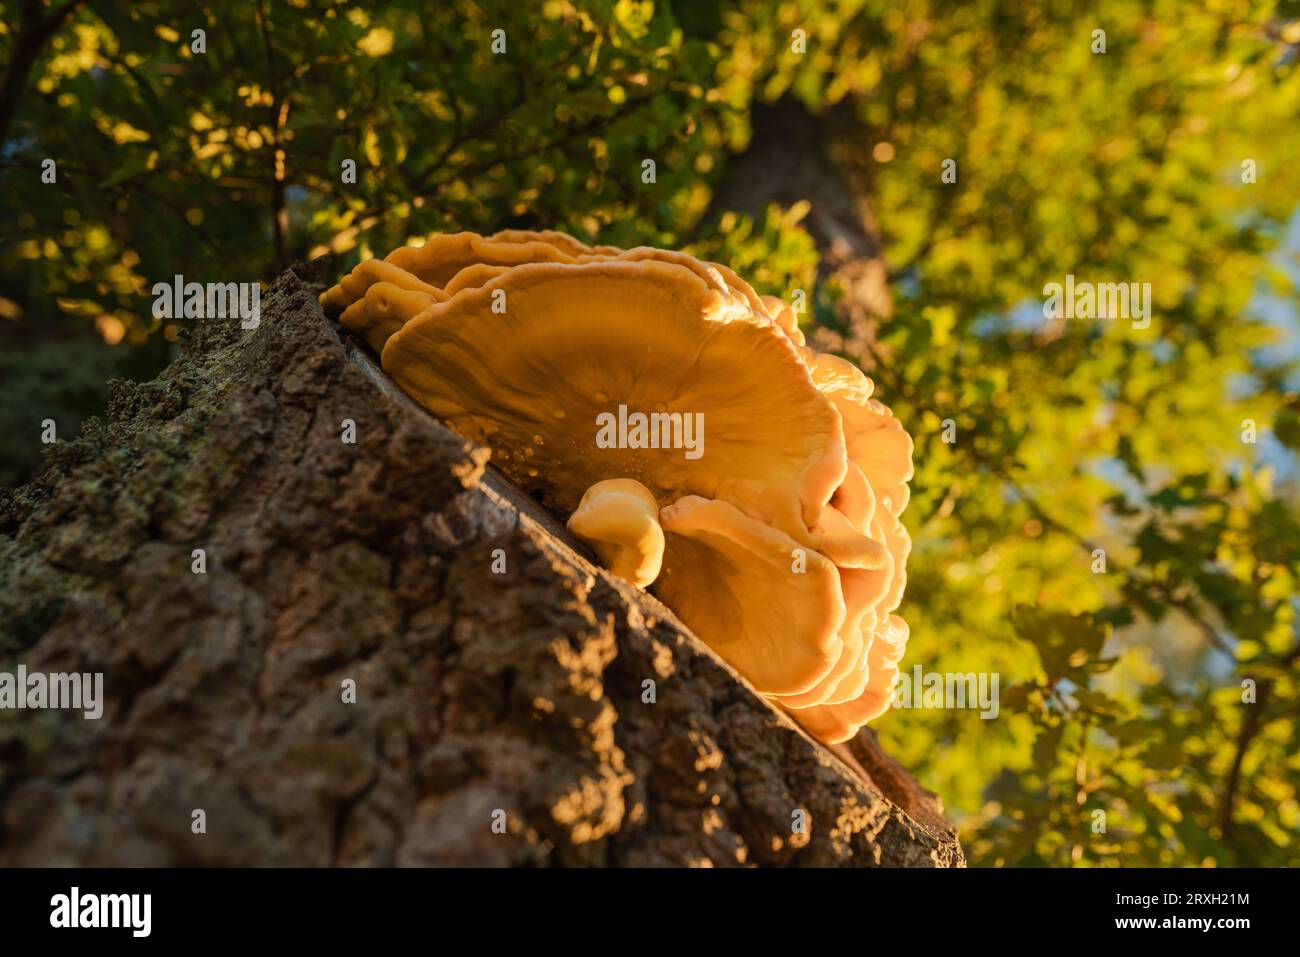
834, 723
869, 545
880, 445
429, 268
473, 276
846, 667
846, 544
876, 441
869, 596
899, 543
744, 290
731, 579
706, 271
561, 241
576, 342
785, 318
854, 498
620, 518
375, 315
863, 591
441, 257
353, 286
384, 309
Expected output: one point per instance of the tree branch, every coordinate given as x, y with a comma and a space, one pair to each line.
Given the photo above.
1250, 727
30, 40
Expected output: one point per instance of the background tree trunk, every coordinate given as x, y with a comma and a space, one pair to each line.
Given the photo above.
476, 693
794, 156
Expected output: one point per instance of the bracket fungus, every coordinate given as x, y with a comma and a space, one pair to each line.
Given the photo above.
620, 518
593, 374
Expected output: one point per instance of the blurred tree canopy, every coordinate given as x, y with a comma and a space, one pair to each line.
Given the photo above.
1160, 691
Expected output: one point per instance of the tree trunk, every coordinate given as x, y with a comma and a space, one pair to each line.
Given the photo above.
519, 699
794, 156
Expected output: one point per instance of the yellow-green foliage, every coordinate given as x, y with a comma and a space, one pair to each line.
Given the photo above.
1122, 691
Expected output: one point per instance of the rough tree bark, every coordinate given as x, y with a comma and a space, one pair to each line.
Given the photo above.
476, 692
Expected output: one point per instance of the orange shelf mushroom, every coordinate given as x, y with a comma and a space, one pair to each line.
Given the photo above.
685, 429
620, 518
732, 579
